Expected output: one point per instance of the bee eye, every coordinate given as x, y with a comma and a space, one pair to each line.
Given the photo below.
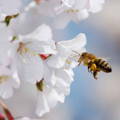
82, 55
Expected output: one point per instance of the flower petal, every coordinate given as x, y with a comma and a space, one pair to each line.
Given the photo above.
75, 44
42, 105
42, 33
30, 70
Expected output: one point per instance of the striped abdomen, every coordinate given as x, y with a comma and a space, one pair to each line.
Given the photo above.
103, 65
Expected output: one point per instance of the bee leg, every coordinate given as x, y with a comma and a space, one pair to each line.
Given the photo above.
79, 62
89, 70
95, 73
89, 67
92, 67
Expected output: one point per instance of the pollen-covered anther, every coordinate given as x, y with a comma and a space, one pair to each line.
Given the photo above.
13, 38
40, 85
8, 18
72, 11
68, 62
22, 48
4, 78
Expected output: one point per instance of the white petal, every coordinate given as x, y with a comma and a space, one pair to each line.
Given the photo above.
41, 47
58, 60
52, 98
83, 14
66, 75
42, 33
42, 105
25, 118
49, 75
75, 44
16, 80
62, 86
95, 5
31, 70
6, 90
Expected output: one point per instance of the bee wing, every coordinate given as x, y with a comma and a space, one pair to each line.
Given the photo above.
106, 58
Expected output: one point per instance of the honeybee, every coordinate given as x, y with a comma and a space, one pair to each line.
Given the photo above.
94, 64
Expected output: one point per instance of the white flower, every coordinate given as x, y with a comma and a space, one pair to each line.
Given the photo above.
57, 13
8, 78
58, 73
78, 11
27, 49
45, 63
49, 96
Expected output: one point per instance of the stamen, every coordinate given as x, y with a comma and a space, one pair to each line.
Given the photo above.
9, 18
40, 85
22, 49
13, 38
4, 78
68, 62
72, 11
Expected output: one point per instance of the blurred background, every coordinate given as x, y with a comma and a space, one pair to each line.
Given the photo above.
89, 99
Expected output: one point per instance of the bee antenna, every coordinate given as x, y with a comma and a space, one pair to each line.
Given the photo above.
76, 52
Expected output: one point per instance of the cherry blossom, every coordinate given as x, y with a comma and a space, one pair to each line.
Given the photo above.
64, 11
58, 73
77, 12
8, 78
26, 50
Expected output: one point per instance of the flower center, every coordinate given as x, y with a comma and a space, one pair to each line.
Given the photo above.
40, 85
4, 78
68, 62
22, 48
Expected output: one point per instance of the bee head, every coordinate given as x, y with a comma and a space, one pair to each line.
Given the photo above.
83, 55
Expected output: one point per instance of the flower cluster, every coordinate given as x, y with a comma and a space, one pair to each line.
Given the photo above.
29, 52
